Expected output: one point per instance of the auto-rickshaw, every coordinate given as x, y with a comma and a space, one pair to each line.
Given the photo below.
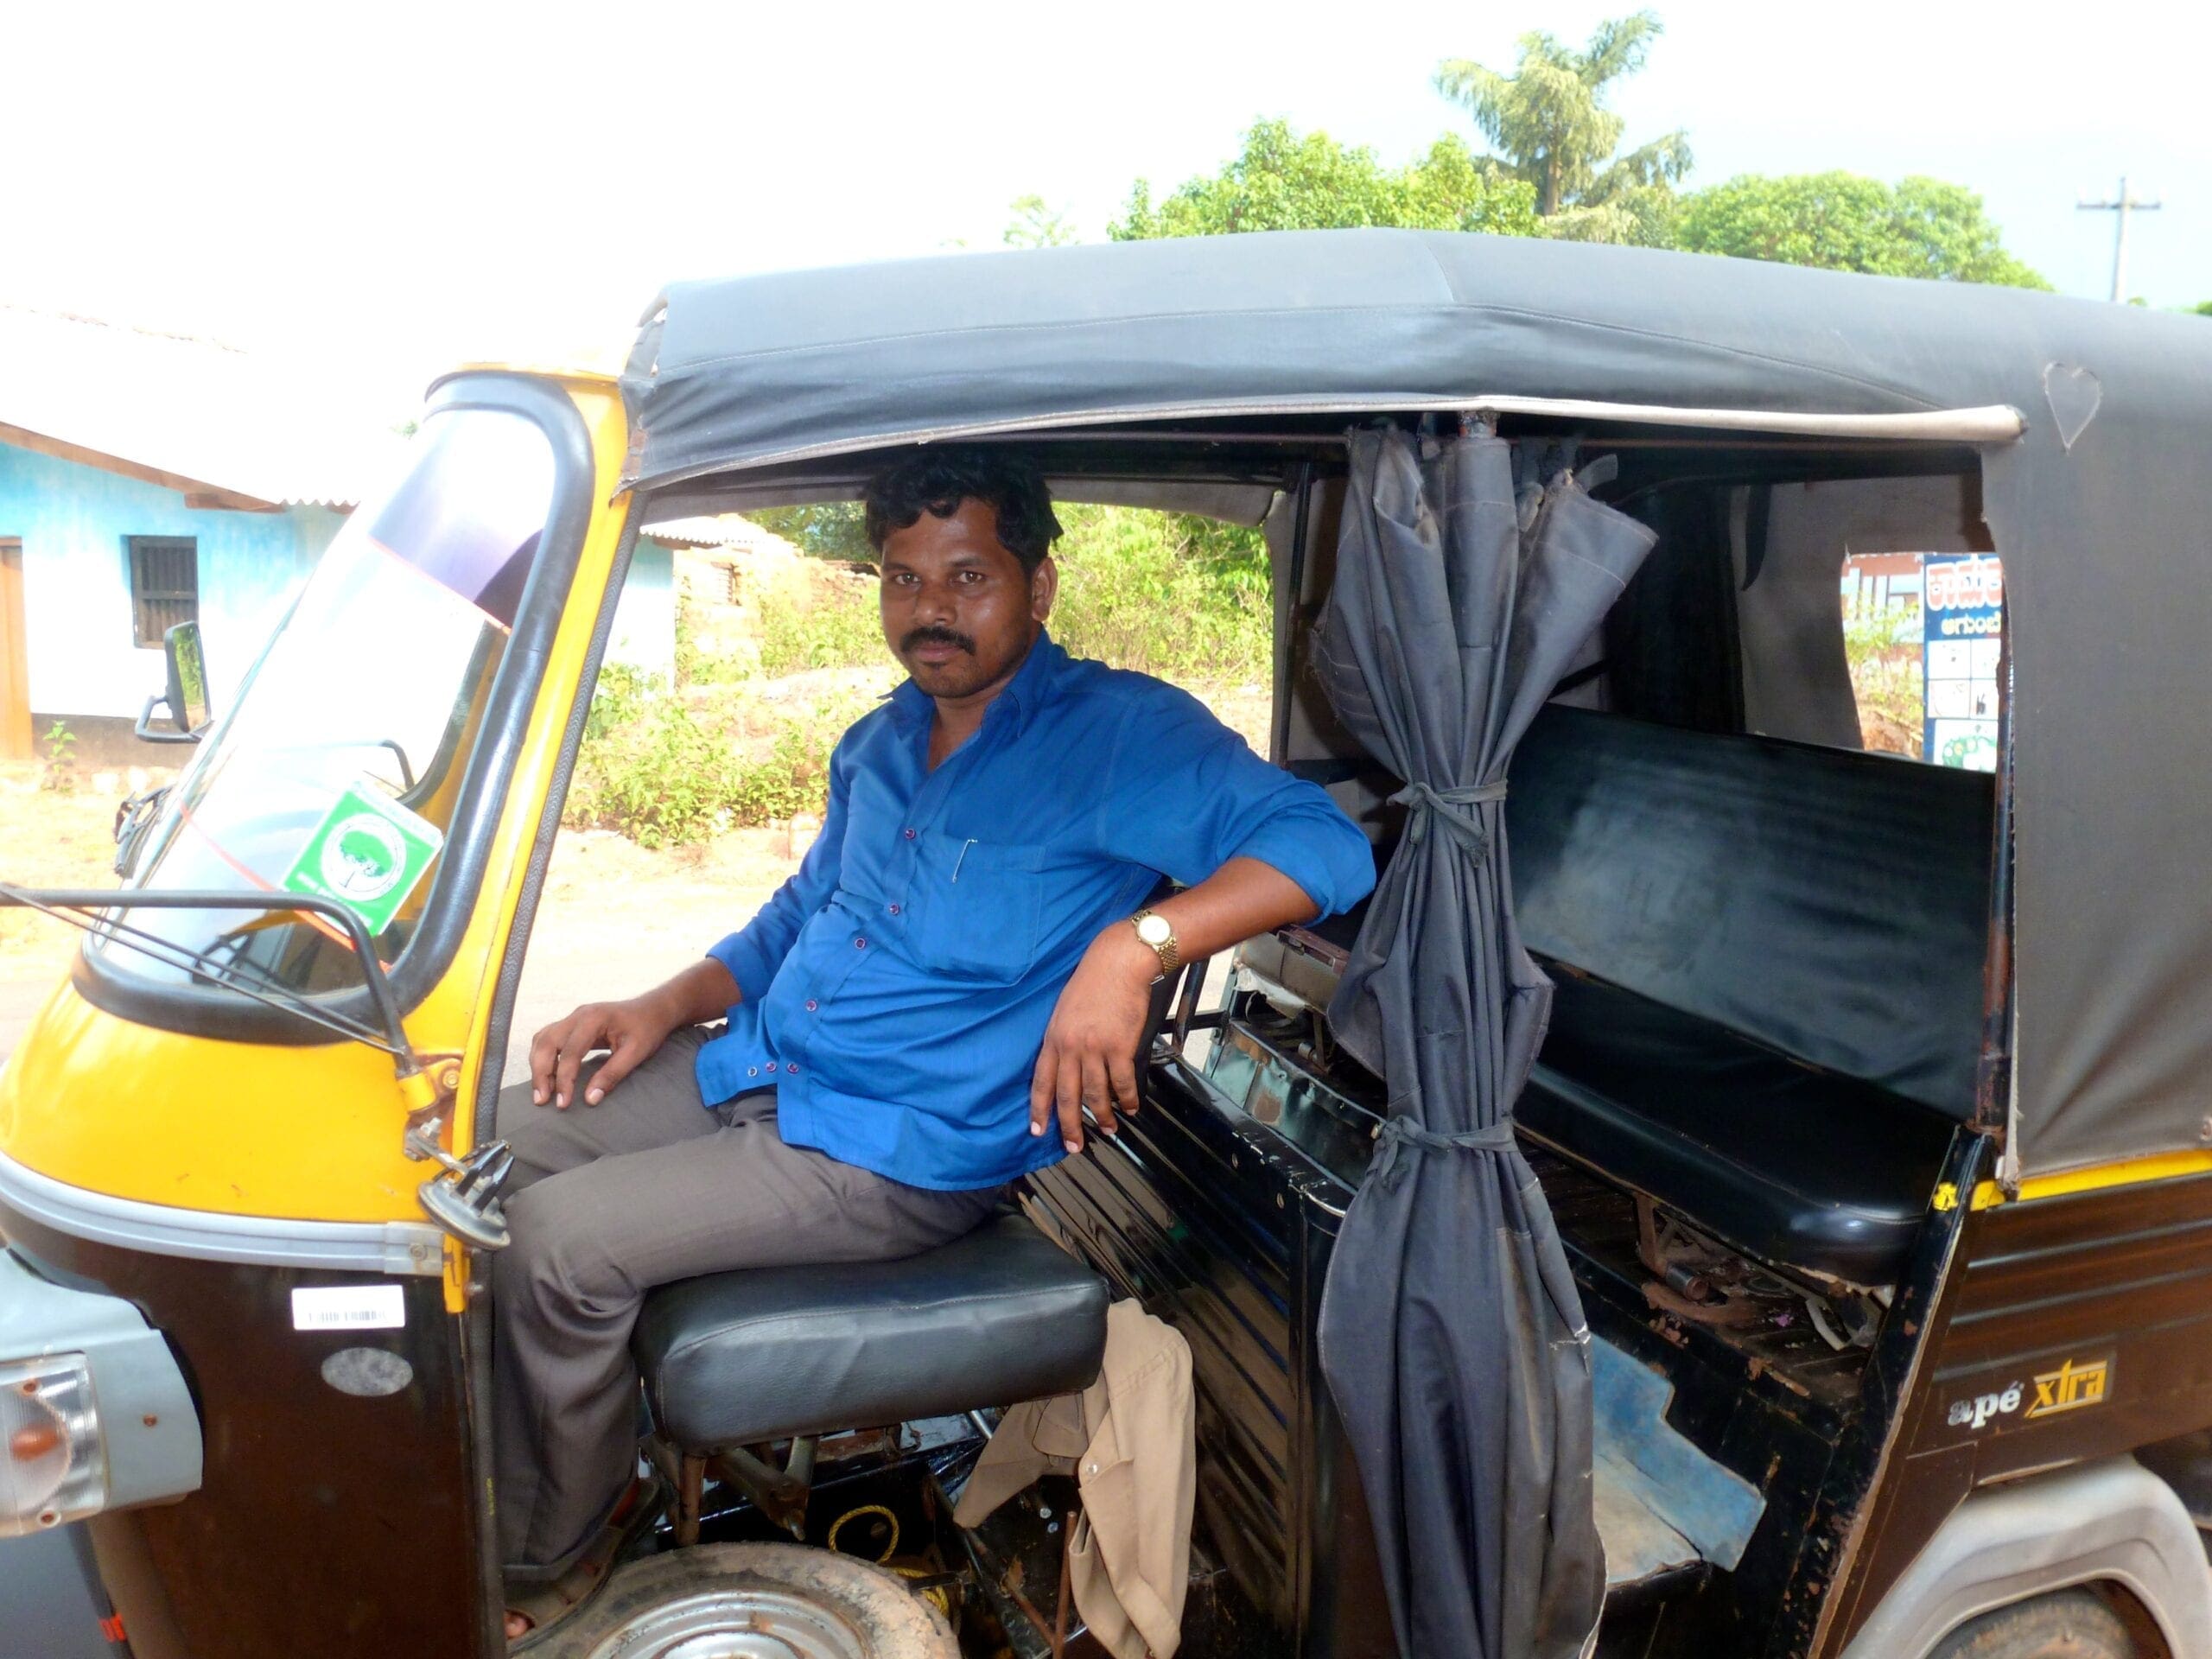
1872, 1112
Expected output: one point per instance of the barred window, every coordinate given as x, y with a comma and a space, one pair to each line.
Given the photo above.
164, 585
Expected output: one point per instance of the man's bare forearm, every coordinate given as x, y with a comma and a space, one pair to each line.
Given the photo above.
704, 991
1243, 898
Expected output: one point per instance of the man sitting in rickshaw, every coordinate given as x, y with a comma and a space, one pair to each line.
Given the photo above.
960, 968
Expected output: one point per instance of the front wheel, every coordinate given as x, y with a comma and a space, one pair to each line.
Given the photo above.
783, 1599
2068, 1625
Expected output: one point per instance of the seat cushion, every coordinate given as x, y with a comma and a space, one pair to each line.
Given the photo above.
1799, 1167
999, 1316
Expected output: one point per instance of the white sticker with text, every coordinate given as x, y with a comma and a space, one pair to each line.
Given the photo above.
349, 1307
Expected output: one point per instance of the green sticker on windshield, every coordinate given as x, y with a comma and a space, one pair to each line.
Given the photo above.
368, 853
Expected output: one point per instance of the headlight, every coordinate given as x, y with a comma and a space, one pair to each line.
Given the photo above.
99, 1419
53, 1468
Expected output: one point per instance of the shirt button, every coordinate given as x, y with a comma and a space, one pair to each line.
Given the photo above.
812, 1005
860, 944
772, 1065
793, 1068
894, 910
752, 1070
908, 833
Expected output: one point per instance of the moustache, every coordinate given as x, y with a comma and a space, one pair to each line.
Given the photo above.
933, 636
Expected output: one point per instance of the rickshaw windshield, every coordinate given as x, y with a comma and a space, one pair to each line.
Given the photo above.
338, 773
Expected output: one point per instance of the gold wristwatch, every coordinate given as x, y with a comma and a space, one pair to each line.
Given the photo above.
1159, 933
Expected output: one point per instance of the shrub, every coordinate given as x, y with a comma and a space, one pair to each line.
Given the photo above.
665, 773
1168, 594
1880, 646
841, 627
60, 774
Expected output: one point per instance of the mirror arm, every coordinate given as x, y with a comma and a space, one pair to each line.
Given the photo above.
145, 730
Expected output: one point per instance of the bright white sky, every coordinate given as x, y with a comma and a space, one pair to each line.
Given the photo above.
404, 185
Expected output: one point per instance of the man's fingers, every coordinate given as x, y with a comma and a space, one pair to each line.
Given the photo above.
1123, 1072
1067, 1093
565, 1070
1040, 1089
1095, 1095
544, 1049
620, 1061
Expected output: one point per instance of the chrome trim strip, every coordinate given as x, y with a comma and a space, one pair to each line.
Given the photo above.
389, 1246
1985, 423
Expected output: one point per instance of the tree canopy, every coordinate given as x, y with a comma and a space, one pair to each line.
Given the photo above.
1549, 127
1282, 179
1036, 224
1843, 221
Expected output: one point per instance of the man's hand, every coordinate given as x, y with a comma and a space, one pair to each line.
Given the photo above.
630, 1031
1091, 1057
1090, 1046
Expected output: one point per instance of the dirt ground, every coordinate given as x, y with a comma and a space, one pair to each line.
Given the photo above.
50, 840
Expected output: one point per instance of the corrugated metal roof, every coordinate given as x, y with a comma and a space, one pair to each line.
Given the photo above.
202, 414
728, 530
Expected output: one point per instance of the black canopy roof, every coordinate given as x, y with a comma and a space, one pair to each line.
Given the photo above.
2101, 508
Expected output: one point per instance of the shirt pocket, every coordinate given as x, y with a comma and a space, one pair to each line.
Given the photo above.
978, 906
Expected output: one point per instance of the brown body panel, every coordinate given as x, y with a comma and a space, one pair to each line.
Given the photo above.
2074, 1327
326, 1523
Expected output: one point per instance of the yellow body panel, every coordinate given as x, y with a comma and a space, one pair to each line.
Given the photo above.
310, 1133
2126, 1172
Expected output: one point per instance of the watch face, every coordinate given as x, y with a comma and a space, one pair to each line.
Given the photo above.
1154, 931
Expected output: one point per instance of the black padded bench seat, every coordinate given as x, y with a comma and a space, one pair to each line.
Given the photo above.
1769, 963
1784, 1161
1002, 1315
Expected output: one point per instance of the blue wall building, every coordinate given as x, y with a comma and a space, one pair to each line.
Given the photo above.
147, 479
105, 556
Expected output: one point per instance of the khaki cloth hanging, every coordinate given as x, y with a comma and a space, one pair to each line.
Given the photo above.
1128, 1439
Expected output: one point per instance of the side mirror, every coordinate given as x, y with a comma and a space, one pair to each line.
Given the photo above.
186, 698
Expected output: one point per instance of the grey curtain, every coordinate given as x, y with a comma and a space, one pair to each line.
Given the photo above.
1451, 1333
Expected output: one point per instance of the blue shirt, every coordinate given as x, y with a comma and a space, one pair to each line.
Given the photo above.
895, 991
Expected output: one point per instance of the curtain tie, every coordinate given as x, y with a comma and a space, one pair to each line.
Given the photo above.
1452, 808
1400, 1132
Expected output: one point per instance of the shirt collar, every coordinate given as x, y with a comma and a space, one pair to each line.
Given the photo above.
1024, 693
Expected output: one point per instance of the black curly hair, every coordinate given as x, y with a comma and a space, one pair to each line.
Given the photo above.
938, 480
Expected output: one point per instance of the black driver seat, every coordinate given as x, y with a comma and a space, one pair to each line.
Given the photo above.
735, 1359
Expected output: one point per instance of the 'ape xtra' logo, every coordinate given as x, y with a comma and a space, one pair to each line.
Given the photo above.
368, 853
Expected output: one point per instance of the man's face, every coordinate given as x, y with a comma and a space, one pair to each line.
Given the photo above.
957, 609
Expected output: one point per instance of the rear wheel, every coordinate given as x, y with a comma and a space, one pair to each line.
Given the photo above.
735, 1601
2069, 1624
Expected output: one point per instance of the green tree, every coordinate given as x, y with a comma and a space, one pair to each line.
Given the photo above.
827, 530
1548, 126
2205, 309
1037, 224
1843, 221
1283, 179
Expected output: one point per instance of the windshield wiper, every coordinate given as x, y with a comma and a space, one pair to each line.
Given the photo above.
89, 909
463, 1196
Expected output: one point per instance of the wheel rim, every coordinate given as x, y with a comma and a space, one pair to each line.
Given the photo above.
734, 1624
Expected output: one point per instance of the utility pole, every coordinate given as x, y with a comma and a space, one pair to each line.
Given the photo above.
2122, 205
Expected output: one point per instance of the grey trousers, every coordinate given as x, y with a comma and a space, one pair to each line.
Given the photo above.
605, 1203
